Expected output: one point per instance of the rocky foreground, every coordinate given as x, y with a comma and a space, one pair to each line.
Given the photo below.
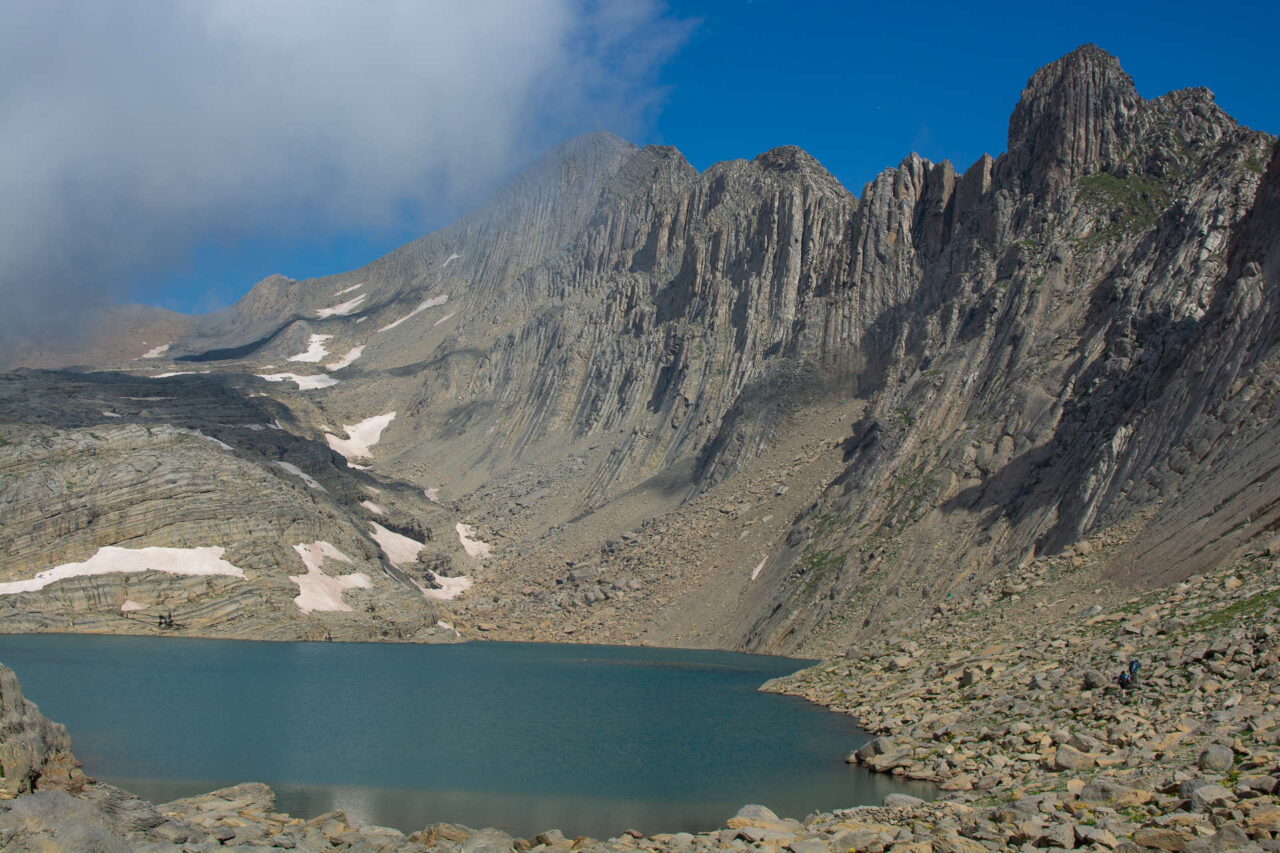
1006, 700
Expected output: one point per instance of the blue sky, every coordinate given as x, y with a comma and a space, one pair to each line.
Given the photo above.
858, 85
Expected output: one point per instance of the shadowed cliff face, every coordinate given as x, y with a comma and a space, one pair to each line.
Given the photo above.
814, 414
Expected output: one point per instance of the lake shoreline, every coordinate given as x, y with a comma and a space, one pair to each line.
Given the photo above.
1009, 707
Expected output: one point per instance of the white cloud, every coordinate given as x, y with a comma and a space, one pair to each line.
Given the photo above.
133, 131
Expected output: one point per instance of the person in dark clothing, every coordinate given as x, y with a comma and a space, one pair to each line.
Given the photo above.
1125, 680
1134, 666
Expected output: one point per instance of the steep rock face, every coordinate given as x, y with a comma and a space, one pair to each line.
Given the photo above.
1072, 364
125, 488
794, 416
35, 754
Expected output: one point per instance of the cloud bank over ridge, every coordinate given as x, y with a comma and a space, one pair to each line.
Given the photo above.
133, 131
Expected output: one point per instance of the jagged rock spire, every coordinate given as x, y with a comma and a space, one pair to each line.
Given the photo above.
1073, 118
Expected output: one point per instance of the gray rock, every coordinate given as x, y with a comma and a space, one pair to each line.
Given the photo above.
756, 813
55, 822
488, 841
901, 801
1209, 796
1216, 758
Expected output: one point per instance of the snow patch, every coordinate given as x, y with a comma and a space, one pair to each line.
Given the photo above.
114, 560
360, 437
148, 399
129, 606
445, 317
318, 591
450, 588
221, 444
474, 547
755, 573
305, 383
156, 352
450, 260
349, 289
432, 495
401, 551
433, 302
315, 350
302, 475
373, 507
342, 310
175, 373
346, 360
111, 415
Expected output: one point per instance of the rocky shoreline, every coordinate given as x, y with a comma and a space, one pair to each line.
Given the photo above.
1006, 701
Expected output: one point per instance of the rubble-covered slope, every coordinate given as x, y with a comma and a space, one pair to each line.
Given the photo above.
745, 407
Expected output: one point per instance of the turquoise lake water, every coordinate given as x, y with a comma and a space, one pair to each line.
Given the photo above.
591, 740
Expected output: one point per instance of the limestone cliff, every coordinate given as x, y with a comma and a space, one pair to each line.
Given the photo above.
746, 407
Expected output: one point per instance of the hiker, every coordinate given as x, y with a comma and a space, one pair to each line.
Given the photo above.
1124, 679
1134, 666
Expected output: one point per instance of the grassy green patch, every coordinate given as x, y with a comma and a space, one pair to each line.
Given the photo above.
1254, 164
817, 560
1251, 606
1134, 202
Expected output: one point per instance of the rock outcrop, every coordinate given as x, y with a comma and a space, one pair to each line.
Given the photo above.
35, 754
775, 415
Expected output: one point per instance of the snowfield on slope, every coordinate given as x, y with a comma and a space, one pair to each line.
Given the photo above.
433, 302
318, 591
360, 437
315, 349
302, 475
346, 360
402, 551
341, 310
304, 383
474, 547
111, 559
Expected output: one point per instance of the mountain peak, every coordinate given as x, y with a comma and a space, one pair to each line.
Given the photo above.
1073, 118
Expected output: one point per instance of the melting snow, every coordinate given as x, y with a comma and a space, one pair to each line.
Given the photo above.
445, 317
315, 350
305, 383
129, 606
111, 415
345, 361
113, 560
221, 444
360, 437
402, 551
450, 260
175, 373
156, 352
755, 573
318, 591
433, 495
148, 399
373, 507
341, 310
303, 475
450, 588
349, 289
473, 547
433, 302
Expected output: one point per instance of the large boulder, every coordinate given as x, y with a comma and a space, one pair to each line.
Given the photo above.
56, 822
35, 753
